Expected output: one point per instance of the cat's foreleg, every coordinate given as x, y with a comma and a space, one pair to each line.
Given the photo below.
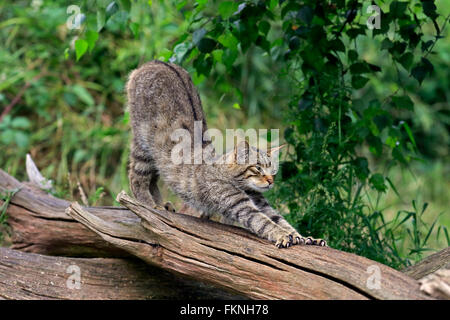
246, 213
267, 209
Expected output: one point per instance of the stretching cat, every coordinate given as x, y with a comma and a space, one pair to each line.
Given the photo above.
162, 99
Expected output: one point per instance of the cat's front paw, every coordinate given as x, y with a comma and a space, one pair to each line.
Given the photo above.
315, 242
293, 238
287, 239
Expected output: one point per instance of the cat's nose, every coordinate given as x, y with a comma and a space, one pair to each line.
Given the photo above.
269, 179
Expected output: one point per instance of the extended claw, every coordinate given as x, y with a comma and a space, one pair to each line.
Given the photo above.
169, 207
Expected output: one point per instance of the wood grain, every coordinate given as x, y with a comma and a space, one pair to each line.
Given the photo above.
33, 276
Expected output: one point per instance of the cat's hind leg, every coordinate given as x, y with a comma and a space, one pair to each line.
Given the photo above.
144, 178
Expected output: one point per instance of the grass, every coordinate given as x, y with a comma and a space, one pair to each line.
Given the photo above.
421, 199
5, 197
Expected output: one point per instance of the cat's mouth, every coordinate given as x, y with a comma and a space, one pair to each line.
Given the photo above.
266, 188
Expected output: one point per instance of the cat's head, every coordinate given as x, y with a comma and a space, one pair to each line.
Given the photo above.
253, 169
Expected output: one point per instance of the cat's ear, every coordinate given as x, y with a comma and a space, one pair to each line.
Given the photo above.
273, 152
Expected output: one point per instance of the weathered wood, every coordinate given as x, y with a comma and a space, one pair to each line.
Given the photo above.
225, 256
232, 258
430, 264
437, 284
40, 225
33, 276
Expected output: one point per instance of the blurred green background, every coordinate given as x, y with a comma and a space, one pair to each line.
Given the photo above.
71, 115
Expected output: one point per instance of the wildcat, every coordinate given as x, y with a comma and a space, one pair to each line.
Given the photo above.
162, 98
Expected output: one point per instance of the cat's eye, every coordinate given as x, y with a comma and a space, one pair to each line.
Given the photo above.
256, 170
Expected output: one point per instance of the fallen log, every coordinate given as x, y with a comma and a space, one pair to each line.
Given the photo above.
225, 256
432, 263
437, 284
40, 225
33, 276
433, 274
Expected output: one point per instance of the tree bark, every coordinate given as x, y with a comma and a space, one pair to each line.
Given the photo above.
40, 225
432, 263
224, 256
33, 276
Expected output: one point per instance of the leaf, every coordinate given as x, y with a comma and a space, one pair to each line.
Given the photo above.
202, 65
264, 27
403, 102
198, 35
263, 43
228, 40
361, 166
181, 4
179, 52
359, 82
337, 45
294, 43
354, 32
273, 4
397, 155
421, 70
386, 44
134, 27
217, 54
352, 55
426, 45
20, 123
305, 14
21, 139
397, 8
126, 4
81, 47
406, 60
111, 9
229, 57
83, 94
429, 8
206, 45
91, 38
446, 235
80, 155
374, 68
393, 186
306, 102
398, 48
227, 8
359, 68
410, 135
101, 19
375, 145
377, 182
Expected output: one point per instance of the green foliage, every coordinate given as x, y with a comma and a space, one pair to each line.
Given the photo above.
71, 116
5, 198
